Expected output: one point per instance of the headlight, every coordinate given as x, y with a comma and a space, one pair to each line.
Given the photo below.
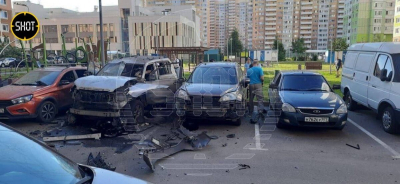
182, 95
231, 97
21, 100
288, 108
342, 109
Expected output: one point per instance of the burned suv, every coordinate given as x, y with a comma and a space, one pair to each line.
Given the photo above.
124, 90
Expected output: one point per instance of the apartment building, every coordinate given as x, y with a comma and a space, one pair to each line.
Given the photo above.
396, 30
6, 17
369, 21
129, 27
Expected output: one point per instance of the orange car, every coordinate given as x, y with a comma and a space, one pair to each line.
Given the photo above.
39, 94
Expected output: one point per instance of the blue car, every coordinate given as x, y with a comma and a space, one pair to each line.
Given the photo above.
305, 99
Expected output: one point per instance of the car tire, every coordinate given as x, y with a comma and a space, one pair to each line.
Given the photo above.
137, 108
389, 123
3, 65
351, 104
46, 112
237, 122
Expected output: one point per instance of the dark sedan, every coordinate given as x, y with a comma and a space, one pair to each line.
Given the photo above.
215, 90
305, 99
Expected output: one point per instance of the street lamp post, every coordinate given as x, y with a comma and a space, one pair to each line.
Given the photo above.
21, 4
156, 37
101, 34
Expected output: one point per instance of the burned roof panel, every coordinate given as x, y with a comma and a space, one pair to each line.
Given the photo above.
139, 59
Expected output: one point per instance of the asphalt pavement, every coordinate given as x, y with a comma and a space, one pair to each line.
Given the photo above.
258, 153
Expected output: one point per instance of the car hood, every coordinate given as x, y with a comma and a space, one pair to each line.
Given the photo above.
11, 91
102, 83
103, 176
208, 89
310, 99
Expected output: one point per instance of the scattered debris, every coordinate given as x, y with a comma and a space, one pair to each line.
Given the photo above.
295, 167
231, 136
52, 132
224, 145
62, 123
98, 162
124, 148
72, 137
227, 171
243, 166
358, 146
73, 142
213, 137
36, 132
184, 140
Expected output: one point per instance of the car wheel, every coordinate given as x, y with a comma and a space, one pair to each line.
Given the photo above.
389, 123
351, 104
138, 111
339, 128
237, 122
47, 112
3, 65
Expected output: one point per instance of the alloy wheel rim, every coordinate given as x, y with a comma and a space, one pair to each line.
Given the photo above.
348, 100
387, 119
48, 111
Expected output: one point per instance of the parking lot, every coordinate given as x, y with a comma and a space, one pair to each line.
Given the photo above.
257, 154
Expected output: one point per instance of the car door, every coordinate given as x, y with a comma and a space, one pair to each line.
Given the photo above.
361, 77
273, 93
379, 90
167, 76
64, 90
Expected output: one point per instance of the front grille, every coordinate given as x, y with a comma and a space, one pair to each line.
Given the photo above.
96, 96
316, 111
3, 105
205, 101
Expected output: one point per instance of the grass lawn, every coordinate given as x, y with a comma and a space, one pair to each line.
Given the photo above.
269, 73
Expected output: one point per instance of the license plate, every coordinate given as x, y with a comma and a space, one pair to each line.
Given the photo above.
317, 119
1, 110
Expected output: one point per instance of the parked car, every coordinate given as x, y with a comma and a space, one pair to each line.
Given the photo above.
39, 94
371, 77
304, 98
44, 165
124, 89
6, 62
216, 90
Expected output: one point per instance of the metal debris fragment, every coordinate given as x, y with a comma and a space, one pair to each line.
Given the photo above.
98, 162
244, 166
231, 136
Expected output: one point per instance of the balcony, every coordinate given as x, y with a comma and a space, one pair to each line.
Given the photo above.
270, 23
306, 23
306, 3
270, 9
270, 33
269, 19
306, 28
270, 14
306, 13
306, 18
305, 32
307, 8
270, 28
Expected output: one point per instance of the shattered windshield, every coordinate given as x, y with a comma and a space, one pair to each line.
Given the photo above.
122, 69
214, 75
38, 77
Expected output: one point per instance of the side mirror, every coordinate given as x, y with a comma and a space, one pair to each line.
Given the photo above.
273, 86
335, 86
245, 82
64, 82
383, 75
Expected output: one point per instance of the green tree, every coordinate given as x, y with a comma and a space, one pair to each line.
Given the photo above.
282, 51
298, 47
339, 44
235, 43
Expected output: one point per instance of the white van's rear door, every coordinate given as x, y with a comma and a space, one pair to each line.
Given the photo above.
379, 90
361, 75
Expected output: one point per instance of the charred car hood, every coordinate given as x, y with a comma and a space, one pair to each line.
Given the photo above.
310, 99
102, 83
208, 89
11, 91
103, 176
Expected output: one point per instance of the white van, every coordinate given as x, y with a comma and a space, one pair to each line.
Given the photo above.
371, 77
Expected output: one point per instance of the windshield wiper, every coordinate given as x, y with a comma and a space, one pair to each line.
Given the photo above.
41, 83
316, 89
290, 89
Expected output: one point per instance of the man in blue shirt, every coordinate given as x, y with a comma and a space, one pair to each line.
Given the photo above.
256, 76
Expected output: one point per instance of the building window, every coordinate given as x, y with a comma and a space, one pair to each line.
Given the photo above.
3, 2
6, 27
4, 14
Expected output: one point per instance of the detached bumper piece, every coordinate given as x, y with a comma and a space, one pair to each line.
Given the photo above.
179, 140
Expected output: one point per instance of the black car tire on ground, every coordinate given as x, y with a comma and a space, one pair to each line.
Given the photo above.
46, 112
237, 122
3, 65
351, 104
389, 123
137, 108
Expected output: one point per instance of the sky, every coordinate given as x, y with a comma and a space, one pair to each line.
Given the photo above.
76, 5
